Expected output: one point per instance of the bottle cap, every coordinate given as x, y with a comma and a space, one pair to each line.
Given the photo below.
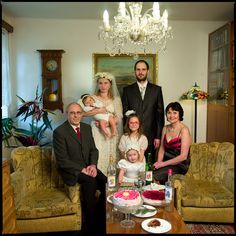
169, 171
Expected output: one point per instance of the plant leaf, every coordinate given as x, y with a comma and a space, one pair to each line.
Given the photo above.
21, 99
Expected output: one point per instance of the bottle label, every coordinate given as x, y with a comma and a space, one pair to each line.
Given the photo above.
149, 176
168, 193
111, 181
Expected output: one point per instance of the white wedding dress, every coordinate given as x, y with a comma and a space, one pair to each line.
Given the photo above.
107, 147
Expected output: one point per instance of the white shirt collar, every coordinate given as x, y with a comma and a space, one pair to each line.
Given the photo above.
143, 84
74, 127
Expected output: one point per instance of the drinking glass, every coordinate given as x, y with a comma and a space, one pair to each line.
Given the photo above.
140, 182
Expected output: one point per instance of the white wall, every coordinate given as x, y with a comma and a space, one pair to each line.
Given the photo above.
184, 63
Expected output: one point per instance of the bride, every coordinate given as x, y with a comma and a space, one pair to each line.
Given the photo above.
105, 91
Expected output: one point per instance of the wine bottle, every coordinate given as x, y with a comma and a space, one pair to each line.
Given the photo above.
149, 169
111, 174
169, 192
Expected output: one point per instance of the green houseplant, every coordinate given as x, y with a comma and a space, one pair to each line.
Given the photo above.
38, 125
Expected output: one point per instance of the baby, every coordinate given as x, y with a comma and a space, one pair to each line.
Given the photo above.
103, 118
132, 166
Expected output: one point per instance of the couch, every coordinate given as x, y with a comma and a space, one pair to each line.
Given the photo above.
43, 203
206, 192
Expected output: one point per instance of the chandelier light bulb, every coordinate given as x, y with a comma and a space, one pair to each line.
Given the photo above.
156, 11
133, 33
106, 20
122, 9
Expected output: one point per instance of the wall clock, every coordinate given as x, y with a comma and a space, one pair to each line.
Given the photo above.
52, 78
51, 65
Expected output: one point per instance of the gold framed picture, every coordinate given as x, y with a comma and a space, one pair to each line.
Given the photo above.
122, 67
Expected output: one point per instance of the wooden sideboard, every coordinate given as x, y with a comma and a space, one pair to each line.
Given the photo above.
8, 210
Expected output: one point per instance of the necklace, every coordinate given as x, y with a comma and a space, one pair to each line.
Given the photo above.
172, 129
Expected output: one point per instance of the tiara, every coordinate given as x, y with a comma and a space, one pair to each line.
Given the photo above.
104, 75
129, 112
133, 146
84, 96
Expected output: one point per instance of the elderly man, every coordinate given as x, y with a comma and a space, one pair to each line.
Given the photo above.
77, 157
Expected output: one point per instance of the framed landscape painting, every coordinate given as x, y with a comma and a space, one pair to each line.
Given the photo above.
122, 67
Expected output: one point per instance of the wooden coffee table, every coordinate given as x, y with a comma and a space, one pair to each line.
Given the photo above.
113, 219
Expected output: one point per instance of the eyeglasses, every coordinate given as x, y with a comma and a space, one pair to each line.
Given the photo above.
78, 113
134, 123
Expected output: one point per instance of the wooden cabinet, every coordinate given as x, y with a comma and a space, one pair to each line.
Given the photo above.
220, 106
8, 210
52, 79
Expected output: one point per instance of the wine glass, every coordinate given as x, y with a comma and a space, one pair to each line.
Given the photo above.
140, 182
127, 222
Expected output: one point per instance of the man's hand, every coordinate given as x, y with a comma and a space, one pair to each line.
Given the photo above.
156, 143
84, 170
91, 170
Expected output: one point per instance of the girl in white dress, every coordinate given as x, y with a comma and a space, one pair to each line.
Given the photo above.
133, 134
132, 166
105, 91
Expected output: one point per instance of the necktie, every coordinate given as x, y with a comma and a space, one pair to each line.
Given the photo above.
78, 133
142, 89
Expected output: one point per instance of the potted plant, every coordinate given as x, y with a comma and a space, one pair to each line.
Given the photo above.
38, 125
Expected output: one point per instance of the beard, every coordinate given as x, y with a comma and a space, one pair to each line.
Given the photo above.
141, 79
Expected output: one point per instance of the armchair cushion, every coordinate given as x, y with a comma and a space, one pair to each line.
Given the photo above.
47, 203
206, 194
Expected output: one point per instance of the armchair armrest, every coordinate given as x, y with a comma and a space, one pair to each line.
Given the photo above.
228, 179
73, 192
178, 182
18, 187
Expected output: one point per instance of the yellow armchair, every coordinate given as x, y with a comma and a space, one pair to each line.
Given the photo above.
43, 202
206, 192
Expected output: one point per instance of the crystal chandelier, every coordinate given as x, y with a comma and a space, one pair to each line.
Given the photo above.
133, 33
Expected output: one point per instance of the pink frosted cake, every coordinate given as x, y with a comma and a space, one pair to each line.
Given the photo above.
153, 197
127, 198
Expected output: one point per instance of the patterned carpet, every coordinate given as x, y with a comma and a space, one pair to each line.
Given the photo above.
204, 228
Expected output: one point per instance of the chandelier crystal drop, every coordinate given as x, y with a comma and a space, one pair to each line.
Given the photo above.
133, 33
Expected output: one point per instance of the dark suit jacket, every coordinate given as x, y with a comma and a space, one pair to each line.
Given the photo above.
150, 110
72, 155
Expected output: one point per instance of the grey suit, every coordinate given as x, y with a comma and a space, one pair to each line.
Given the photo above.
150, 110
72, 155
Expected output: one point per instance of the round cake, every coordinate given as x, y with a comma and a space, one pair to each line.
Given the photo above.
127, 198
153, 197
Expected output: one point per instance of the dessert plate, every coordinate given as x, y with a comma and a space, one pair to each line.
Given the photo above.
164, 227
109, 198
145, 211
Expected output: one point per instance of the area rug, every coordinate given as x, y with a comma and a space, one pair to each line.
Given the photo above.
204, 228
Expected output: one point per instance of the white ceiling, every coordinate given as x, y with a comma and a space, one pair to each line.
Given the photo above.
205, 11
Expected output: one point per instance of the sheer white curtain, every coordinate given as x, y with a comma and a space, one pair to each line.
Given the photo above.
6, 82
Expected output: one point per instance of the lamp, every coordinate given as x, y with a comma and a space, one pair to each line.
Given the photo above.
132, 32
194, 93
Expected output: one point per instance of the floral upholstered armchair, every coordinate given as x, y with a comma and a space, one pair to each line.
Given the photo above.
206, 192
43, 202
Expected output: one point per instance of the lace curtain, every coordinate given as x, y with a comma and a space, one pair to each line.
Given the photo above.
6, 83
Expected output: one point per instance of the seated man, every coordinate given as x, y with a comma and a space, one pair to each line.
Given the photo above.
77, 157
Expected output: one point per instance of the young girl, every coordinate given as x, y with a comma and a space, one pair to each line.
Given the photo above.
133, 134
131, 166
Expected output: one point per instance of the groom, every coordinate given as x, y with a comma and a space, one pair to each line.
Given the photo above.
146, 100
